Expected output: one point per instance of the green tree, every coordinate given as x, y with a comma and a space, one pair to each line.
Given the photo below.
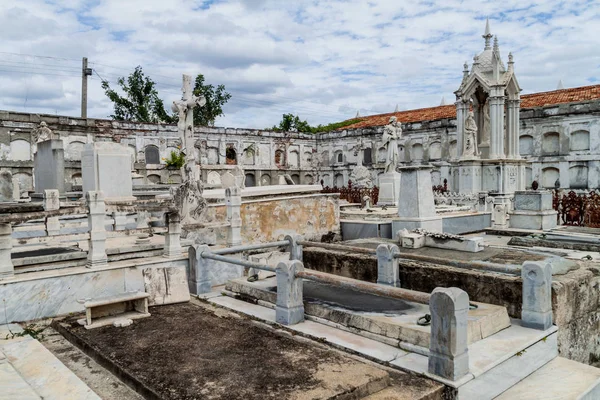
292, 123
215, 100
140, 102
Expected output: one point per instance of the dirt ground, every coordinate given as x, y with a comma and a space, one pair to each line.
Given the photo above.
189, 351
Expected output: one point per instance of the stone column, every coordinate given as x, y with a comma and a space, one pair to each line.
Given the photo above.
16, 188
6, 266
516, 109
387, 265
497, 123
537, 295
289, 309
461, 112
294, 248
198, 278
173, 235
97, 241
49, 166
448, 352
233, 202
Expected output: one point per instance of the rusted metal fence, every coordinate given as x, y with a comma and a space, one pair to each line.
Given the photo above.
441, 189
353, 194
577, 209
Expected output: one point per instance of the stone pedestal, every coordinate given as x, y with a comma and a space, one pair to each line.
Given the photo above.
469, 176
416, 208
533, 210
49, 166
106, 167
389, 189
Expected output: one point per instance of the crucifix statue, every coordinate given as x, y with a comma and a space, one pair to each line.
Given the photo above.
185, 126
188, 195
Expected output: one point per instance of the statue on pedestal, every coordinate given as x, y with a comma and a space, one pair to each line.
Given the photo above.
42, 133
391, 134
470, 137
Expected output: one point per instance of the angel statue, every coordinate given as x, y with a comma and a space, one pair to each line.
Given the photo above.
391, 134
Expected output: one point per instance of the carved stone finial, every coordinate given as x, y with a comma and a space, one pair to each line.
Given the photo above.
487, 35
496, 43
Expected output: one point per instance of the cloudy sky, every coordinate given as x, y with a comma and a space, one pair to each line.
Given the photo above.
322, 60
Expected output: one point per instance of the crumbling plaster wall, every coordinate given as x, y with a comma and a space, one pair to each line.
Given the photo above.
311, 158
575, 295
272, 218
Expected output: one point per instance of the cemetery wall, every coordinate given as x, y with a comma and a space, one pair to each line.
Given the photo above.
561, 141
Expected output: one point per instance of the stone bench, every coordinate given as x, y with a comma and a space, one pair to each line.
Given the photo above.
106, 310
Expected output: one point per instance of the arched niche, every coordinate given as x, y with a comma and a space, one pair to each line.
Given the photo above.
309, 180
20, 150
417, 151
213, 178
152, 155
549, 177
249, 156
250, 181
551, 143
296, 178
435, 151
526, 145
381, 155
339, 180
578, 176
76, 179
580, 141
294, 161
230, 156
279, 157
73, 150
175, 178
339, 157
154, 179
25, 181
265, 180
326, 178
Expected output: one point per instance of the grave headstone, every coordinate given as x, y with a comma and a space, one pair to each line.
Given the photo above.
16, 188
228, 180
106, 167
6, 186
49, 169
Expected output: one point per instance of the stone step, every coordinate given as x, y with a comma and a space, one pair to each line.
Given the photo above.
43, 372
504, 359
405, 393
560, 379
13, 385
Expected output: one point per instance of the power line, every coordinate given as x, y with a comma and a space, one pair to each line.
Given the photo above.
34, 73
36, 56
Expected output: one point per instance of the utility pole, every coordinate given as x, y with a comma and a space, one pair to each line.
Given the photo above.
85, 72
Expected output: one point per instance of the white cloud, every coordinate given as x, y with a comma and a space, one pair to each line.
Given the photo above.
322, 59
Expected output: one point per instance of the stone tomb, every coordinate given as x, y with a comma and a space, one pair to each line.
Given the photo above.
533, 210
106, 167
49, 161
389, 189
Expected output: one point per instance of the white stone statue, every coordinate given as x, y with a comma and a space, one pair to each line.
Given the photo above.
391, 134
42, 133
487, 128
185, 126
470, 138
361, 177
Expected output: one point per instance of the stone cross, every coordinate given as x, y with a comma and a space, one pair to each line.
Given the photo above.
185, 126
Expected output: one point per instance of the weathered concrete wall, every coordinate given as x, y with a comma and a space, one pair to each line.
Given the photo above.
562, 141
575, 296
271, 219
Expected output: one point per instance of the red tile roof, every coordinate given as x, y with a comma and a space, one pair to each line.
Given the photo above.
562, 96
